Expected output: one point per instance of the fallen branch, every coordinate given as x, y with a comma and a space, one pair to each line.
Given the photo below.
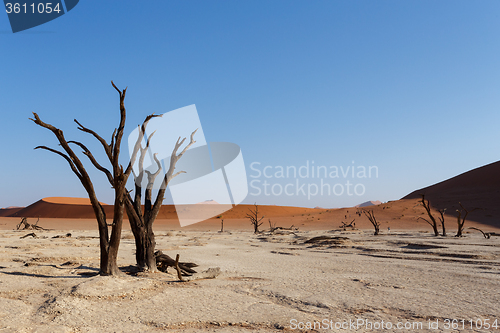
486, 235
63, 236
350, 225
27, 226
30, 234
273, 228
164, 261
179, 274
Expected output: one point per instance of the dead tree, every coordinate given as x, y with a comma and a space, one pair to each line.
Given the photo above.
371, 216
27, 226
141, 221
109, 243
254, 218
221, 223
441, 212
432, 222
461, 216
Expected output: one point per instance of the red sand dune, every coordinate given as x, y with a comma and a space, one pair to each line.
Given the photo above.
477, 188
9, 211
60, 207
80, 208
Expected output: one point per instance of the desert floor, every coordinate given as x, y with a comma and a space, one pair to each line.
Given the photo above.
268, 283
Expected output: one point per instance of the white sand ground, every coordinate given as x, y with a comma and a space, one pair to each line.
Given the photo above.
268, 283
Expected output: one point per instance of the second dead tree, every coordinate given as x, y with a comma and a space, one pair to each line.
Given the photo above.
141, 222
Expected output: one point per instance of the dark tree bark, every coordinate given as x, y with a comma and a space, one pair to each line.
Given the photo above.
461, 216
442, 211
432, 222
254, 218
486, 235
141, 221
118, 177
371, 217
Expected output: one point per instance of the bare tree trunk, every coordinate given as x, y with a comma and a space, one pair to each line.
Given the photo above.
432, 222
150, 245
460, 224
461, 220
442, 211
371, 217
254, 218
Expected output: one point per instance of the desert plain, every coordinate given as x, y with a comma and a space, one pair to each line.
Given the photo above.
316, 277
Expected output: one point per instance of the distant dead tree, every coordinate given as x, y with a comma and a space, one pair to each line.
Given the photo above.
432, 222
461, 216
371, 217
141, 221
221, 222
254, 218
118, 177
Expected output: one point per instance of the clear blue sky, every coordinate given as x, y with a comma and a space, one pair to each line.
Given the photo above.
412, 87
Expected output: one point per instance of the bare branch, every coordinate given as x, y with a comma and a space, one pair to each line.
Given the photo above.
71, 164
191, 142
175, 157
137, 146
371, 217
87, 152
152, 176
421, 218
116, 87
119, 133
103, 142
486, 235
253, 216
111, 145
